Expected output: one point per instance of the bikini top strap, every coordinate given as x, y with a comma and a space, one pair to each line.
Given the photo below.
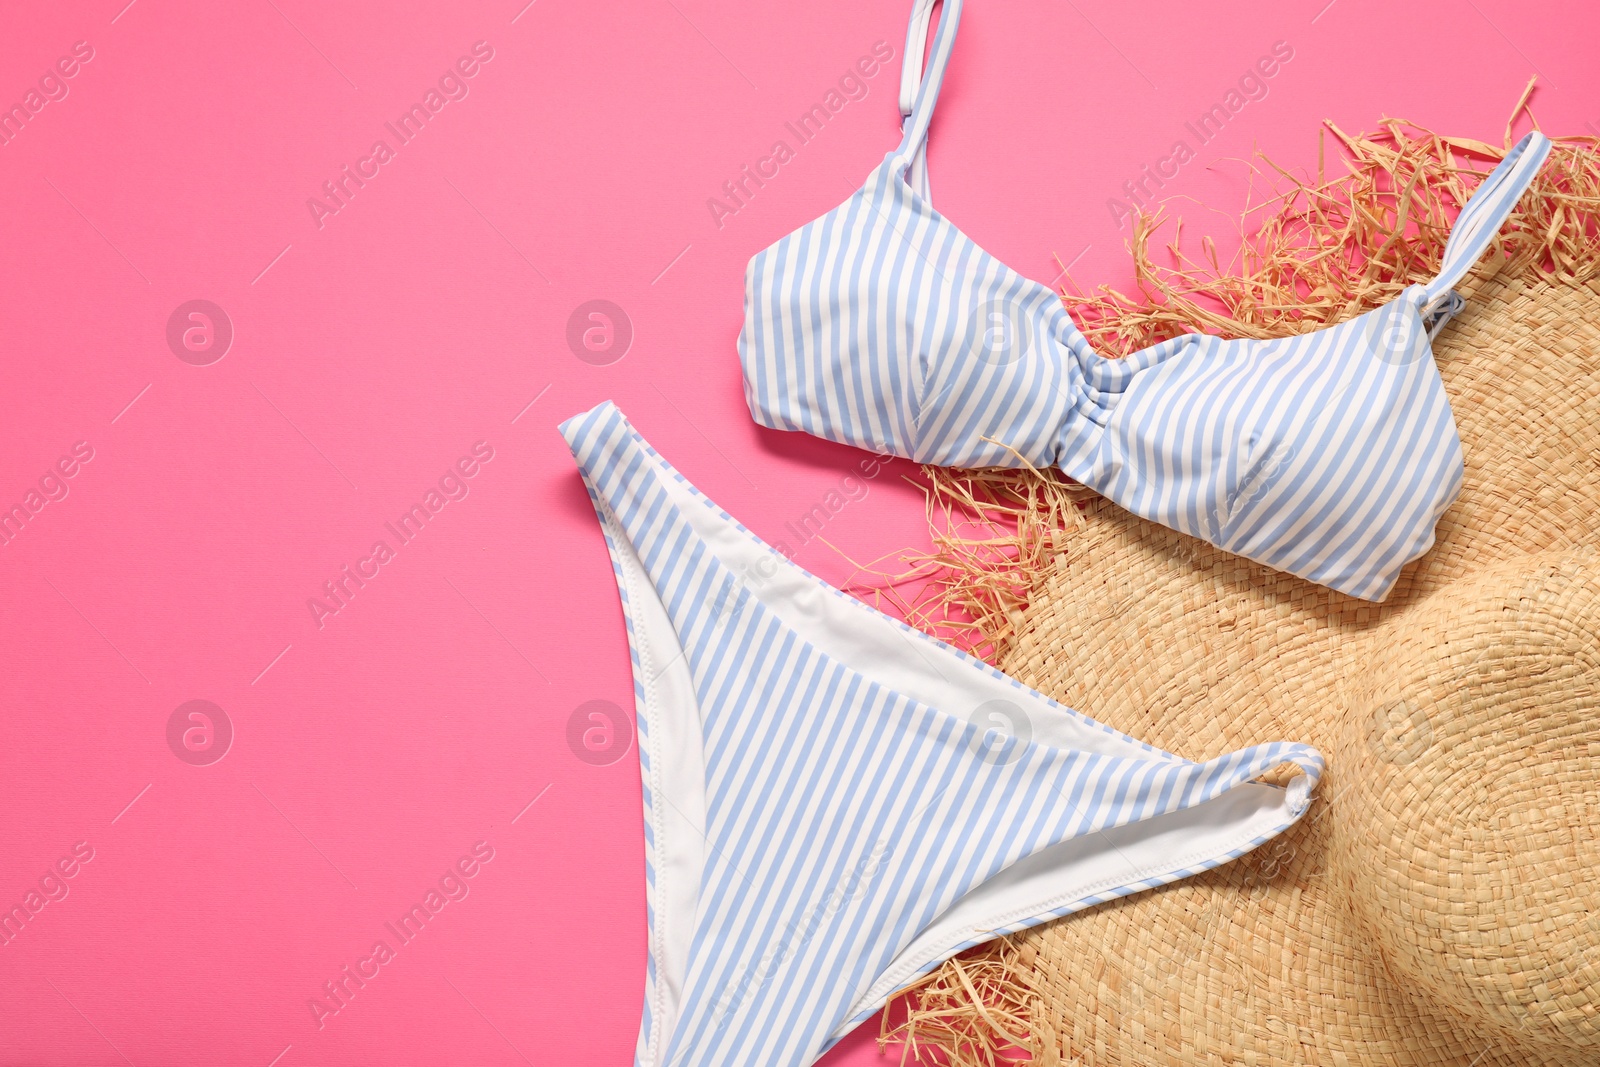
919, 88
1483, 216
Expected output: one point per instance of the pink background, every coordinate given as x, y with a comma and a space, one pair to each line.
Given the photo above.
373, 751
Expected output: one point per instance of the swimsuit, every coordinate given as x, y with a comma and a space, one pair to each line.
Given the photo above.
1330, 455
836, 802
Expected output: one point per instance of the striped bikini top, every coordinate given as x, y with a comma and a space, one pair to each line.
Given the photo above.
1330, 455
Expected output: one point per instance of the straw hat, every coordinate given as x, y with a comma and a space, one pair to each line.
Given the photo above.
1440, 903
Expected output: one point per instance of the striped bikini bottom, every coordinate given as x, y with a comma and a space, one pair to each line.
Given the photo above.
835, 802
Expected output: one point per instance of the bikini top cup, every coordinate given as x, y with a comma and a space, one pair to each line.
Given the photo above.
1329, 455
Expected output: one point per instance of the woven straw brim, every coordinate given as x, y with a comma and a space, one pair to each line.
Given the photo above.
1440, 903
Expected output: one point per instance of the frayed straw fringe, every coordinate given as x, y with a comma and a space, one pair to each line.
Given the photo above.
974, 1011
1323, 252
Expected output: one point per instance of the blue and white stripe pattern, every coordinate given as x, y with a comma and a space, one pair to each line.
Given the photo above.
826, 814
1330, 455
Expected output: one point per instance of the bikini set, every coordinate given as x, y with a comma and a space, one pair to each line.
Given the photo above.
825, 816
